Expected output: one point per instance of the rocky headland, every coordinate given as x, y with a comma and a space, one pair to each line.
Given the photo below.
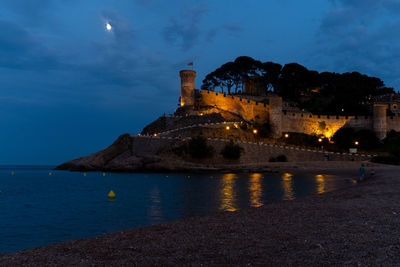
163, 146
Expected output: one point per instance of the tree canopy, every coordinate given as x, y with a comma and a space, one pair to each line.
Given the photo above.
322, 93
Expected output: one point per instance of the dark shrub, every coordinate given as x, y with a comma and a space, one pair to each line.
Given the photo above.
392, 143
344, 137
386, 160
232, 151
198, 148
367, 139
264, 130
301, 139
280, 158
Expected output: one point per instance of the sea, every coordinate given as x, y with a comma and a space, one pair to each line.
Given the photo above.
40, 206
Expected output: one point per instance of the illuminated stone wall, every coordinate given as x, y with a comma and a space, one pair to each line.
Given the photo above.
247, 109
299, 122
326, 125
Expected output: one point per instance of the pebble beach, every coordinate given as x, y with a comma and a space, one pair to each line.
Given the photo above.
357, 225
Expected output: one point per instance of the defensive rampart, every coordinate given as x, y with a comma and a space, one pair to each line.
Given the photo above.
321, 124
247, 109
393, 122
282, 121
252, 152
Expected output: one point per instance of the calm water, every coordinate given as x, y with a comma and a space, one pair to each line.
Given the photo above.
39, 209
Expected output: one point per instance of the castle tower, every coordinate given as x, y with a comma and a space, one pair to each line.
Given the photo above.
187, 87
379, 120
275, 115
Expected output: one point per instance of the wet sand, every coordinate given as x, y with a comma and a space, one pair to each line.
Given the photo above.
358, 225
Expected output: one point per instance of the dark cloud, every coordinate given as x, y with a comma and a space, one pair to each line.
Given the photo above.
233, 28
119, 65
20, 49
361, 35
185, 30
28, 7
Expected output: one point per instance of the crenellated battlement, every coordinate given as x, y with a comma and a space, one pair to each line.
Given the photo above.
300, 115
286, 121
241, 99
246, 108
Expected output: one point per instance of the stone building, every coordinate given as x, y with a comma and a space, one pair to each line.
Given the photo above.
282, 120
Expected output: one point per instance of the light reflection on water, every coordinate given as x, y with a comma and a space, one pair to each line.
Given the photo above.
255, 190
287, 186
38, 209
321, 184
228, 195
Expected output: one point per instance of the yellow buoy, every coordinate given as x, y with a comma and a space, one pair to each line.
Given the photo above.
111, 194
12, 173
84, 174
50, 173
104, 174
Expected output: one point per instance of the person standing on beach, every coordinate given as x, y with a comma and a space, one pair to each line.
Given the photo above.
362, 172
372, 172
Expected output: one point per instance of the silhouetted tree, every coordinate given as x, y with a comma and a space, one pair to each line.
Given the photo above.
322, 93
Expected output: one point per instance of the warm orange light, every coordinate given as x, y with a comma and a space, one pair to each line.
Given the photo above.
255, 131
320, 140
286, 135
342, 109
356, 143
328, 134
287, 186
155, 134
321, 183
227, 127
201, 114
228, 193
255, 189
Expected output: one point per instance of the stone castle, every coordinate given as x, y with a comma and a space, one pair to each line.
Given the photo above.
281, 118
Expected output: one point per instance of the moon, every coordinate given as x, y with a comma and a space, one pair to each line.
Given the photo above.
108, 27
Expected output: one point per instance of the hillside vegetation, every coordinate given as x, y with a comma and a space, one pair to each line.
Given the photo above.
318, 92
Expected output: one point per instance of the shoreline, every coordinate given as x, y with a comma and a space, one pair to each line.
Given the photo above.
266, 167
331, 228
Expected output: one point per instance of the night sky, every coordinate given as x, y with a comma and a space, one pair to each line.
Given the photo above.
70, 86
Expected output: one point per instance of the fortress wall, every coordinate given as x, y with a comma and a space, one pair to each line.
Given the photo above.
393, 122
248, 109
253, 153
314, 124
292, 121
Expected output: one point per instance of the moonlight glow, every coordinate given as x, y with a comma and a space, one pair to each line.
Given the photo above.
108, 27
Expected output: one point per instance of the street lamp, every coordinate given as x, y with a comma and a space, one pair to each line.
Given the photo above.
227, 128
286, 135
255, 131
356, 143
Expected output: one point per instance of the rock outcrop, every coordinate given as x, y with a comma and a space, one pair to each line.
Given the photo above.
120, 156
133, 153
